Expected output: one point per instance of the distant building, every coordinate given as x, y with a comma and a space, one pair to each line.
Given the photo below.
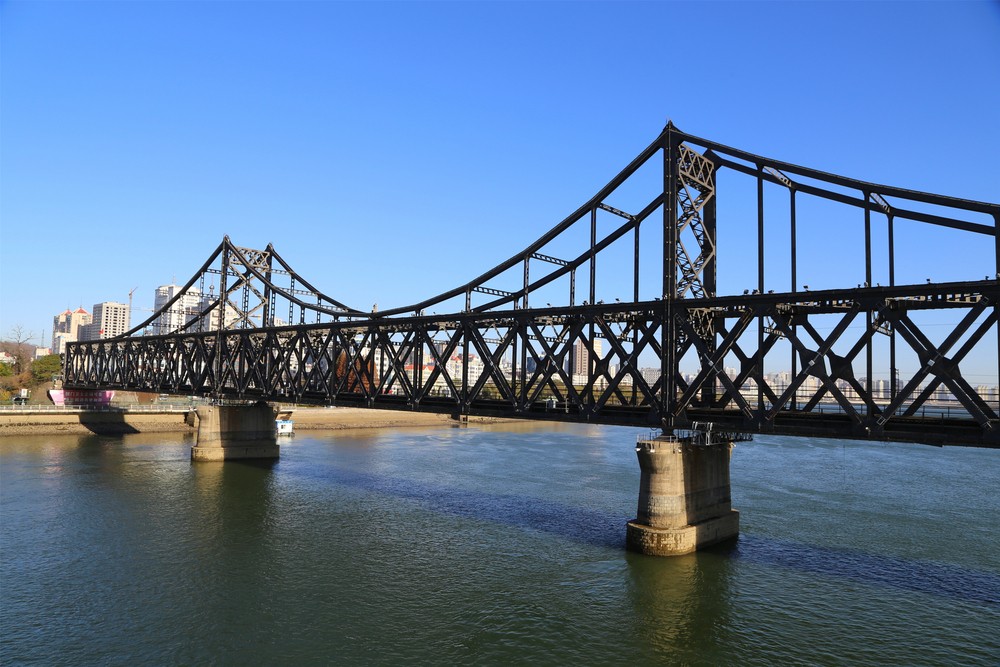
182, 311
110, 319
42, 352
187, 307
68, 327
582, 364
650, 375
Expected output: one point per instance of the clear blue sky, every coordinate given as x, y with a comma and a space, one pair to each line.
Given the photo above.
391, 151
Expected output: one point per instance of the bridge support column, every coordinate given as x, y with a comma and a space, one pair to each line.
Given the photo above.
684, 497
227, 432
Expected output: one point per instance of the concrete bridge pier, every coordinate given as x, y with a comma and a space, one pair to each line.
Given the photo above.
227, 432
684, 497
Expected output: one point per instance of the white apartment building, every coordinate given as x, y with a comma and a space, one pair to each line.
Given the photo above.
67, 327
110, 319
182, 311
185, 309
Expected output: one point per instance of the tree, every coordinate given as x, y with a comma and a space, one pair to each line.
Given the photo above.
17, 348
44, 368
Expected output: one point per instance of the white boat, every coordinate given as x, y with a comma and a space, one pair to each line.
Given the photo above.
283, 427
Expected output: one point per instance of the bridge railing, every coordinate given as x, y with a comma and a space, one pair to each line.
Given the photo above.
71, 409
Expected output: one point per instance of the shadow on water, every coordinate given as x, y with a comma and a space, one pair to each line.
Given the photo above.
591, 527
605, 530
580, 524
941, 579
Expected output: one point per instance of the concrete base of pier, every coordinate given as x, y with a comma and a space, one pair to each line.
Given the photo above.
684, 497
228, 432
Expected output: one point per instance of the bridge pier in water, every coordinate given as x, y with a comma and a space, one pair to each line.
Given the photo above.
227, 432
684, 495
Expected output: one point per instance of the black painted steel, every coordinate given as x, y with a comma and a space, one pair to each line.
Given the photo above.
498, 352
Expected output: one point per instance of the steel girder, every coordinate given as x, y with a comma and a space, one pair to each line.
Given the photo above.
463, 364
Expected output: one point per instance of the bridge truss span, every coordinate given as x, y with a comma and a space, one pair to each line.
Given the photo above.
646, 320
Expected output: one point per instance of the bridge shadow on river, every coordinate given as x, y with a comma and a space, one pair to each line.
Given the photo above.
601, 529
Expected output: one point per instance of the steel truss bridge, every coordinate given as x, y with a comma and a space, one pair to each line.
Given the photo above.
615, 316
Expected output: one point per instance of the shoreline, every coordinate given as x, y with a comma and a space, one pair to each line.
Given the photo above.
14, 424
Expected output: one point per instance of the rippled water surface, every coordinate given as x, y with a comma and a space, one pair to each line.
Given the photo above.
489, 546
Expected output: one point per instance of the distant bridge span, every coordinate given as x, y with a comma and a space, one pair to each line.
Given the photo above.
615, 315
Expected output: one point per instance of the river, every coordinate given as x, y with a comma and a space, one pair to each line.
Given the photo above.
489, 545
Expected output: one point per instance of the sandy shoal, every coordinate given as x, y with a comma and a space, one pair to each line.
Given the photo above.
304, 419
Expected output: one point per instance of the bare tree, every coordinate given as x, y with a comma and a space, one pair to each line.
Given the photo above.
16, 347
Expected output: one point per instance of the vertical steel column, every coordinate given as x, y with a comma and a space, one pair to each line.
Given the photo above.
221, 324
794, 269
267, 317
868, 313
520, 370
524, 297
760, 229
588, 399
868, 239
635, 265
246, 302
517, 365
668, 335
418, 367
635, 299
709, 223
709, 279
378, 362
466, 395
996, 276
201, 306
893, 388
593, 254
760, 290
513, 361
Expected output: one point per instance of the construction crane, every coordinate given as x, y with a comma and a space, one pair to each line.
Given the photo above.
130, 293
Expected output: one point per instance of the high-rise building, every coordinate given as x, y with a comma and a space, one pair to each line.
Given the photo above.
67, 327
581, 357
187, 307
110, 319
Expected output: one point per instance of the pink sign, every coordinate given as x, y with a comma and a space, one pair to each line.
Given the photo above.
83, 398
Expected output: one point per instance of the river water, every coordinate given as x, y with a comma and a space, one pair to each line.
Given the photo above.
489, 545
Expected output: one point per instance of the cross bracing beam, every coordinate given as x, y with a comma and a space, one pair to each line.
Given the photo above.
551, 260
612, 209
490, 290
